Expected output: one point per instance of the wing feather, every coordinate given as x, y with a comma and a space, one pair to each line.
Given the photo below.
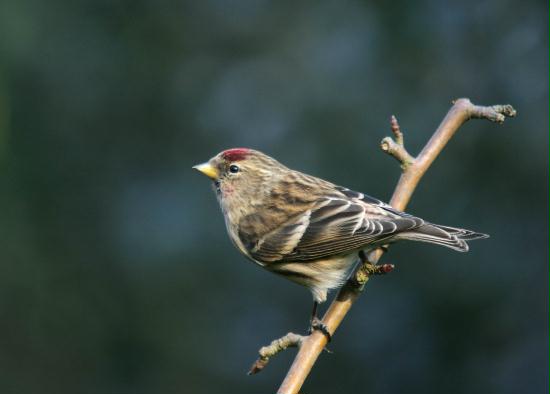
333, 226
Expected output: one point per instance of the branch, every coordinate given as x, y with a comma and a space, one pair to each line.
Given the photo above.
278, 345
396, 148
413, 170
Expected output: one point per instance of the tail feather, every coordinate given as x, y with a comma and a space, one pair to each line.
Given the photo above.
451, 237
467, 235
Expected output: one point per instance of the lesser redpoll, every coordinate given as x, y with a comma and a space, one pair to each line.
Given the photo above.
305, 228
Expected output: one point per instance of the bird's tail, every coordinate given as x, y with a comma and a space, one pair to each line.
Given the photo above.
451, 237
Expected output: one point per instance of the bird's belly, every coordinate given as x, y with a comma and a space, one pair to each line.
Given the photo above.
319, 276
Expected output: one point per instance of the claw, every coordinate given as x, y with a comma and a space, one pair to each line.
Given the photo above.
318, 325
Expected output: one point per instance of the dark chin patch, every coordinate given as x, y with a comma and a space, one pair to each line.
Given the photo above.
235, 154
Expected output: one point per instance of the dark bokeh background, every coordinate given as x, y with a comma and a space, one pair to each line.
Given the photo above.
116, 272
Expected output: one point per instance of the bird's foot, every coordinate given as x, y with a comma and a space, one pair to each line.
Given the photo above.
318, 325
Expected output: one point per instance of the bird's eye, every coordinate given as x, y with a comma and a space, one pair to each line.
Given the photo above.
234, 169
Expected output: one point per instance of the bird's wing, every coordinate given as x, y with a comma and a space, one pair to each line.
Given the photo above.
334, 225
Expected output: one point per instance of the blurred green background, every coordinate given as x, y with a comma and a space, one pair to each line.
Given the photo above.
117, 275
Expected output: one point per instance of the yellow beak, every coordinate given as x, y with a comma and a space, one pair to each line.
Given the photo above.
207, 170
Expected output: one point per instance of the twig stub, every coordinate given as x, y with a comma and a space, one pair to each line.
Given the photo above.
396, 130
396, 148
278, 345
495, 113
399, 152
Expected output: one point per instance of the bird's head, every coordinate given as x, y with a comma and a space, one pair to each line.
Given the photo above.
240, 174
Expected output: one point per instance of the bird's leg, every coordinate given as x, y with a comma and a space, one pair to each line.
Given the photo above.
316, 324
313, 316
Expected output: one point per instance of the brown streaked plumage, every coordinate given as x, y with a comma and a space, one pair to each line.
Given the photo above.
307, 229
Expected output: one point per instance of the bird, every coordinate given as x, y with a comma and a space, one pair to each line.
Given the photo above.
307, 229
